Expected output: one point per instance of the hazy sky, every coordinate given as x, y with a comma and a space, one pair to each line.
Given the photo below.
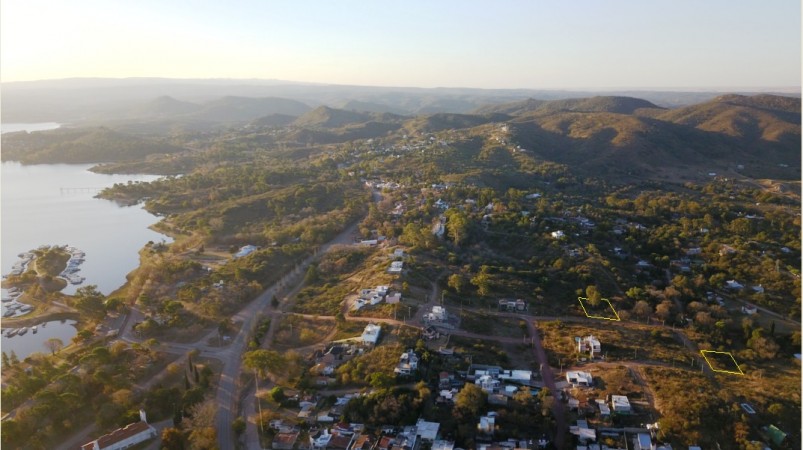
489, 44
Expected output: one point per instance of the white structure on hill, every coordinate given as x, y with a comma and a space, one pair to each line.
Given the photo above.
371, 334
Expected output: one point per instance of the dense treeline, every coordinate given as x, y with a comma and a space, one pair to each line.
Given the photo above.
83, 145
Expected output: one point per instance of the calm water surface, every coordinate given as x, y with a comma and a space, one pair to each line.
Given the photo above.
54, 204
32, 342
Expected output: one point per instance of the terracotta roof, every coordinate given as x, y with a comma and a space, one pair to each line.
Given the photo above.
285, 438
362, 441
118, 435
339, 442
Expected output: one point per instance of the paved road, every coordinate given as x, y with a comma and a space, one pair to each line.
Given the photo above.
549, 381
228, 386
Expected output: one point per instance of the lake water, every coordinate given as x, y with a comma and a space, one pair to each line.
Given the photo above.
12, 127
32, 342
54, 204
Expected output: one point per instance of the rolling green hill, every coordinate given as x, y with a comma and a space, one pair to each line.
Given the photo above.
234, 109
612, 104
79, 146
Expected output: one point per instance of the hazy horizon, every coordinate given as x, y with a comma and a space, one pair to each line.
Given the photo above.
724, 89
585, 45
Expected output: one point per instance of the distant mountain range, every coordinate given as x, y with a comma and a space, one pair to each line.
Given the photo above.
95, 100
601, 134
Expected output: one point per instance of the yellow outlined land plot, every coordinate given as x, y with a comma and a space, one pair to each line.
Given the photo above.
615, 316
721, 359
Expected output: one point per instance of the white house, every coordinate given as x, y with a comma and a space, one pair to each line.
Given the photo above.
121, 438
620, 404
603, 408
438, 314
320, 440
393, 299
427, 431
371, 334
589, 344
578, 378
396, 267
246, 250
487, 383
408, 363
487, 424
759, 289
558, 234
733, 284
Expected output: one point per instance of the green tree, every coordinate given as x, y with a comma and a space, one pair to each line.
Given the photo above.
593, 296
482, 280
172, 439
470, 400
642, 309
456, 282
89, 301
54, 345
238, 426
635, 293
381, 380
457, 225
264, 361
277, 394
201, 425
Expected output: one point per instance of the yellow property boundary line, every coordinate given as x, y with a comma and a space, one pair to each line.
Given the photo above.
703, 352
616, 315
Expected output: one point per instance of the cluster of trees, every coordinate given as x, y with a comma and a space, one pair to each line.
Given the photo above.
397, 406
54, 396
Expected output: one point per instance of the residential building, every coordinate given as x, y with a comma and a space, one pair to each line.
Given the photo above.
371, 333
284, 440
125, 437
749, 309
427, 431
604, 411
487, 383
733, 284
320, 440
642, 441
408, 363
512, 305
246, 250
588, 344
583, 432
443, 445
578, 378
620, 404
396, 267
362, 442
487, 424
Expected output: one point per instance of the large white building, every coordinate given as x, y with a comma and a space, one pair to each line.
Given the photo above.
125, 437
371, 334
